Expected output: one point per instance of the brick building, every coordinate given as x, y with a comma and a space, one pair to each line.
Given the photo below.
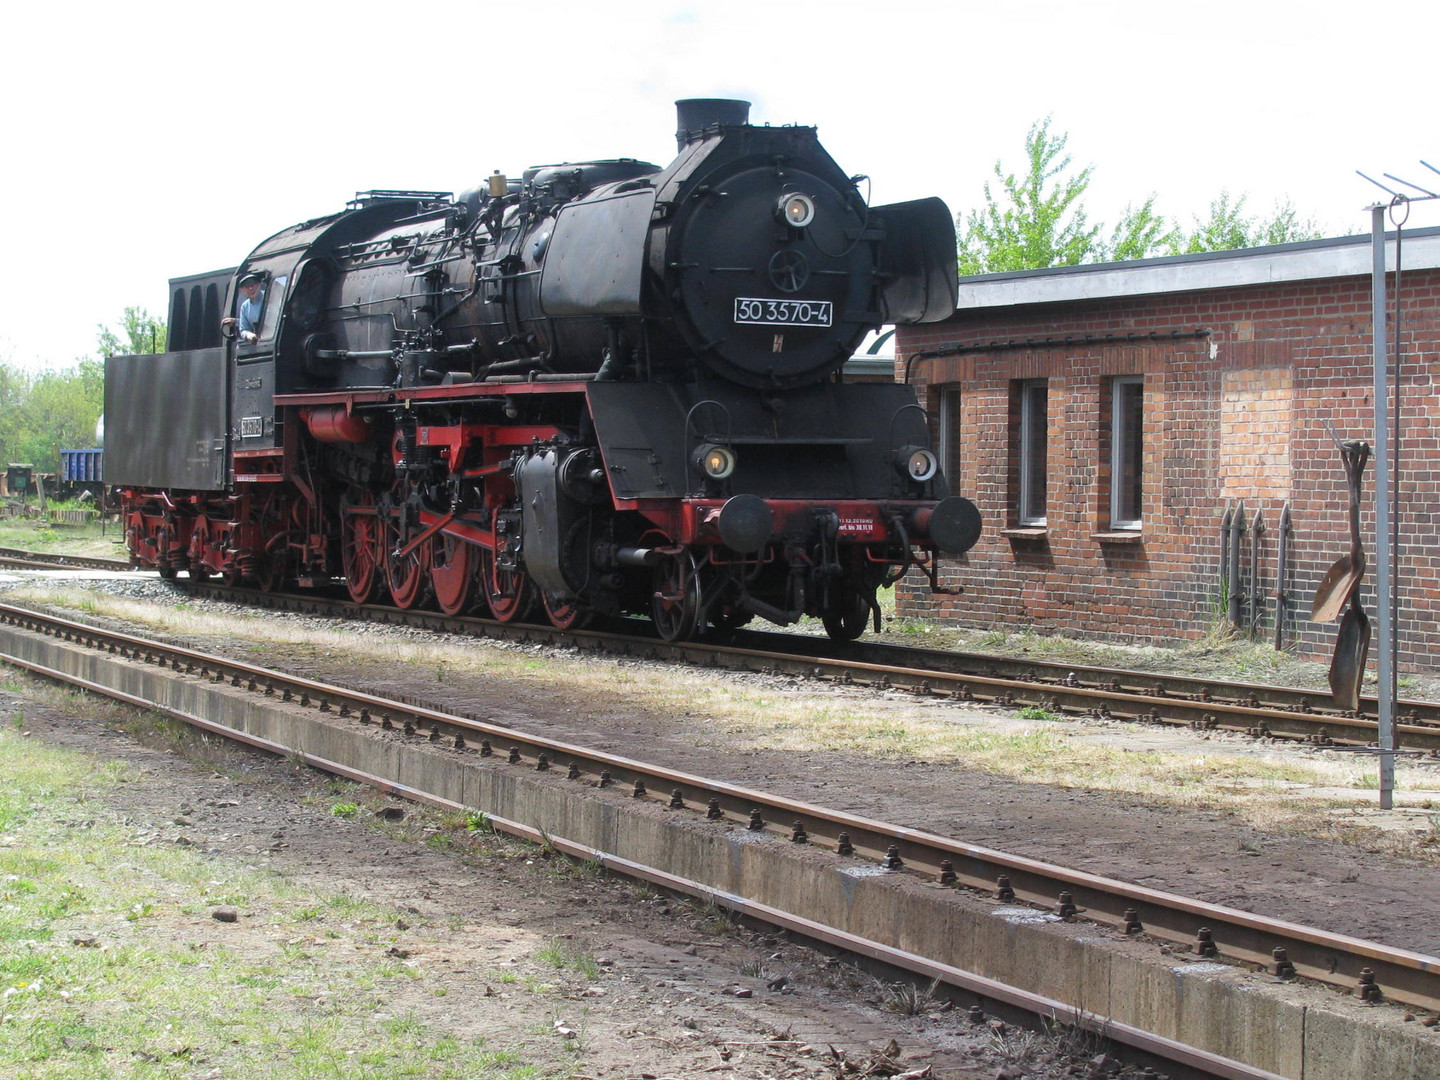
1105, 419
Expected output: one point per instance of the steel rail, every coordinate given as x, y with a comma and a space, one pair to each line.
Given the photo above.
1256, 709
1097, 697
1334, 959
41, 560
1050, 672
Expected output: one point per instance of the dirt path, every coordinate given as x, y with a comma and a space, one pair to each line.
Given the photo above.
680, 991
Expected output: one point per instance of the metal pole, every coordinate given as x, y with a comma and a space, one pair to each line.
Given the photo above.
1237, 531
1385, 693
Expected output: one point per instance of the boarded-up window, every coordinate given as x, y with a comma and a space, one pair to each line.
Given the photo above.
1256, 411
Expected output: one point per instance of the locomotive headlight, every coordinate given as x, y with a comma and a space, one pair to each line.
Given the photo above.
715, 461
916, 463
796, 210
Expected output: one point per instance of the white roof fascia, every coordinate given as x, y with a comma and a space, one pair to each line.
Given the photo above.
1315, 260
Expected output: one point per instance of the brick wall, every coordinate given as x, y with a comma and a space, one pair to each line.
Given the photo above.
1241, 414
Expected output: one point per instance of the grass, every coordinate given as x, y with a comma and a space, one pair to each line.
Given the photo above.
564, 954
88, 540
913, 998
161, 992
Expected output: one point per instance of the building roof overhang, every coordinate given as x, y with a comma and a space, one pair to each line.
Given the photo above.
1311, 260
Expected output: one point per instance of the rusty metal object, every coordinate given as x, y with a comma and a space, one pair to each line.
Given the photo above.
1340, 589
1205, 942
1284, 969
1343, 577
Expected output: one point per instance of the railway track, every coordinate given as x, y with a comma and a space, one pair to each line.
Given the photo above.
1166, 921
1059, 689
17, 558
1253, 709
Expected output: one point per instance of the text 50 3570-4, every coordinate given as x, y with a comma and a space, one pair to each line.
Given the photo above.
783, 312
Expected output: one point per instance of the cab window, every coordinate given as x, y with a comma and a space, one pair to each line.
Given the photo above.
270, 310
270, 299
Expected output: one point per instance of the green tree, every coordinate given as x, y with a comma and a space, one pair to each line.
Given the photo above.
143, 334
14, 388
41, 412
1228, 227
63, 407
1141, 233
1041, 220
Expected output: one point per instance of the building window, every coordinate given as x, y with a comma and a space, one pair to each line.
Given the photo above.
1034, 440
1127, 452
948, 436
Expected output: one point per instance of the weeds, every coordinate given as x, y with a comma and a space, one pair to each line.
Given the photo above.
1034, 712
912, 999
344, 809
1086, 1038
1018, 1046
567, 956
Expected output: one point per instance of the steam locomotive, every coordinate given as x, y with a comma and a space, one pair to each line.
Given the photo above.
601, 388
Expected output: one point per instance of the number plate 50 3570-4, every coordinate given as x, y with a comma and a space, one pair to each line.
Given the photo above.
783, 312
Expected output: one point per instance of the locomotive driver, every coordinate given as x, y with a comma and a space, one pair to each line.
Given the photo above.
252, 289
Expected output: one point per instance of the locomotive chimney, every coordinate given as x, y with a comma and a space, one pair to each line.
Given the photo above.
694, 115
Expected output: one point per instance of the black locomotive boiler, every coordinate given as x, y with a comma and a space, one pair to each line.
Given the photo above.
604, 387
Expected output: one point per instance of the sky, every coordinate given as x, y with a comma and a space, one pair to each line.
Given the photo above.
153, 140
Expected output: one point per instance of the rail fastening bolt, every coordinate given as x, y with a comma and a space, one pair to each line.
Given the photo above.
756, 821
1367, 988
1284, 969
1205, 942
